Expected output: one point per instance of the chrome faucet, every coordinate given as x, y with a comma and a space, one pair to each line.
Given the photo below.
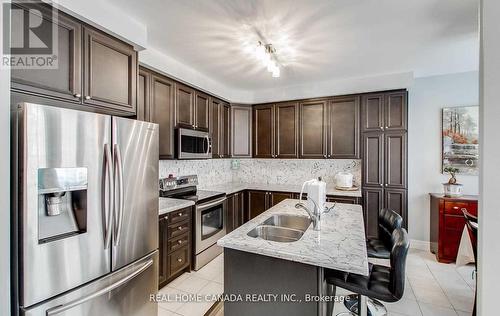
315, 214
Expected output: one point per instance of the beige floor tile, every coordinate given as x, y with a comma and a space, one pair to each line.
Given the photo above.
174, 298
192, 284
430, 295
165, 312
433, 310
404, 306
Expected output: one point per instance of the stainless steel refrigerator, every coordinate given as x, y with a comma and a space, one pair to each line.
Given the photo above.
85, 213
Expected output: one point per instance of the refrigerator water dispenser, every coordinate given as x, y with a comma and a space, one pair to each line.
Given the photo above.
62, 203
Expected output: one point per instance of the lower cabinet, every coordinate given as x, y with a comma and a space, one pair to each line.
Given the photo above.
258, 203
174, 245
235, 211
343, 199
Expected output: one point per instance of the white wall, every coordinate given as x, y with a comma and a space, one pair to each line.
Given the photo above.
4, 183
489, 204
427, 97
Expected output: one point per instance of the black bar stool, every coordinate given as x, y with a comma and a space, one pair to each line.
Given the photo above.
380, 247
383, 283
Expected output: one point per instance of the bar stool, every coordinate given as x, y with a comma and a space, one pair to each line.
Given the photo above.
383, 283
380, 247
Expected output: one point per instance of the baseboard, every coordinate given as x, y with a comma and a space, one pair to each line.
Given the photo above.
420, 244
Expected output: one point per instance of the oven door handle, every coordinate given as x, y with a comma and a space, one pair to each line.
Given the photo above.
208, 145
202, 207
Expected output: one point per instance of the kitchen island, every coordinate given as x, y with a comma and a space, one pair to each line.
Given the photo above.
285, 277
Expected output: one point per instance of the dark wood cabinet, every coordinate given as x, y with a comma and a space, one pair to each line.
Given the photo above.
174, 245
313, 129
384, 111
286, 130
258, 202
201, 113
110, 72
384, 155
276, 197
395, 152
447, 224
94, 70
373, 159
225, 136
343, 134
184, 106
235, 211
373, 201
65, 80
343, 199
156, 101
263, 131
220, 128
241, 131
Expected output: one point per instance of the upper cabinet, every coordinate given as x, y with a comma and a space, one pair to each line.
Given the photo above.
201, 113
286, 130
184, 106
110, 72
156, 95
384, 111
220, 127
313, 129
65, 81
263, 131
241, 138
100, 74
343, 132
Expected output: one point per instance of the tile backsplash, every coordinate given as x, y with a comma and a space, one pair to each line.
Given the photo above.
271, 171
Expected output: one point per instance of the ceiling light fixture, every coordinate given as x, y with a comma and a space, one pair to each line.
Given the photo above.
266, 54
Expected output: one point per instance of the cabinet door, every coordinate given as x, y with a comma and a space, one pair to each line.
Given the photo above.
230, 213
277, 197
184, 106
239, 206
110, 72
396, 200
263, 138
257, 202
372, 112
342, 199
143, 94
286, 130
395, 160
163, 251
344, 128
312, 129
373, 159
161, 113
373, 201
215, 126
241, 120
201, 111
225, 136
65, 81
395, 111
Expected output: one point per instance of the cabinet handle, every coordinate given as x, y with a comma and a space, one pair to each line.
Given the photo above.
179, 242
179, 260
180, 214
455, 207
77, 95
87, 97
381, 185
324, 156
381, 128
180, 228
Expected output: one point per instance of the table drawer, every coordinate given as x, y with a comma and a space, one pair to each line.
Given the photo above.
179, 215
455, 207
177, 229
178, 242
179, 259
454, 222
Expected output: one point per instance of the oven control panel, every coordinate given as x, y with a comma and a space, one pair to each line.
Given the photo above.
171, 182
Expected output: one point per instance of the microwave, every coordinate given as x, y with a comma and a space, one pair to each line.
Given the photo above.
193, 144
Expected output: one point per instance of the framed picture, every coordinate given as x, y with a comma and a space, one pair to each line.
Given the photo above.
460, 136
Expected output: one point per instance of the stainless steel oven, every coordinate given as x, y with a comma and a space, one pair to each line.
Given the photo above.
193, 144
210, 226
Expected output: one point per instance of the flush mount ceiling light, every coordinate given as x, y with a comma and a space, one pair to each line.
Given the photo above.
266, 54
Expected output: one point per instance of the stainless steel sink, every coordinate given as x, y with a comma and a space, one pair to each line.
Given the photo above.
289, 221
275, 233
281, 228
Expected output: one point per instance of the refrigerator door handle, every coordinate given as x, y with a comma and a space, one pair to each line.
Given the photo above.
61, 308
108, 205
119, 207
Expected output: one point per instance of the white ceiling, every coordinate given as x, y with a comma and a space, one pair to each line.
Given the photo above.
316, 40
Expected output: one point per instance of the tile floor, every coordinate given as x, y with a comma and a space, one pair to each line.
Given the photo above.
432, 289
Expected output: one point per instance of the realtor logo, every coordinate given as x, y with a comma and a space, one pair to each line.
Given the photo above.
30, 35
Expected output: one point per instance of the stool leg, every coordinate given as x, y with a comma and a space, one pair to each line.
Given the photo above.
363, 308
330, 291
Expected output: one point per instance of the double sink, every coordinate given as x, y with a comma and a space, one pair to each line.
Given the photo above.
281, 228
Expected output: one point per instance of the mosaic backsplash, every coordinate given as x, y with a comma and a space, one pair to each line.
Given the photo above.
270, 171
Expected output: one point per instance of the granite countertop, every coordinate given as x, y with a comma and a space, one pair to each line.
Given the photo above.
167, 205
340, 244
232, 187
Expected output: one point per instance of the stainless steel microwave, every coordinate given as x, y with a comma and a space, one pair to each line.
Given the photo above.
193, 144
